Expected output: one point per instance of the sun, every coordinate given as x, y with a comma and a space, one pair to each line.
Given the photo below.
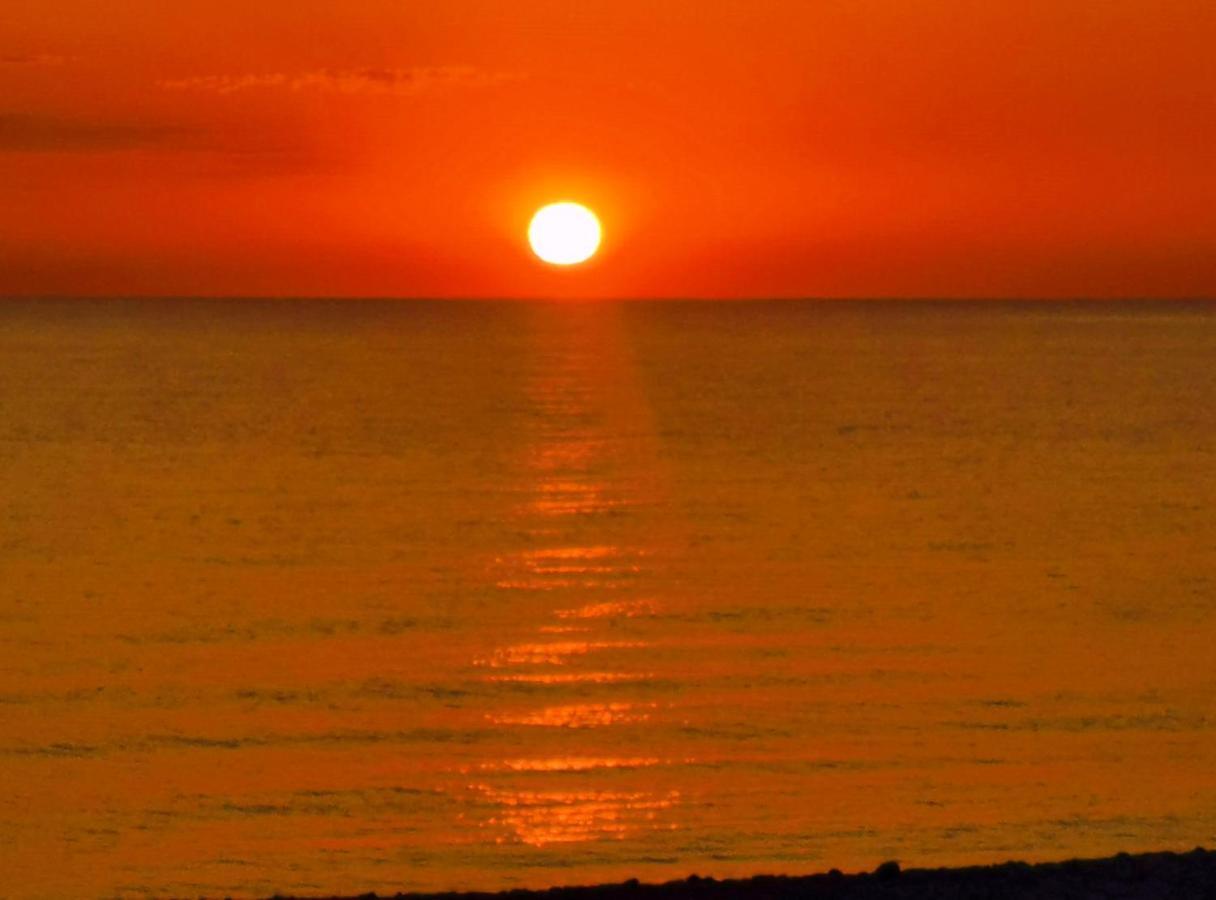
564, 234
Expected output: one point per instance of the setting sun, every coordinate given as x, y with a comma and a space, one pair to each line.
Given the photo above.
564, 234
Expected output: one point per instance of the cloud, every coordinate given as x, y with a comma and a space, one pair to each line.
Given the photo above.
21, 132
31, 59
399, 82
216, 151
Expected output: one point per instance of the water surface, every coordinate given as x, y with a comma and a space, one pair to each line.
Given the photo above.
343, 596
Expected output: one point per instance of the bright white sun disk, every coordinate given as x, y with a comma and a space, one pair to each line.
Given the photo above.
564, 234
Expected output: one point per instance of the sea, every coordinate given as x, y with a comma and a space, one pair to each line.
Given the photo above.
338, 596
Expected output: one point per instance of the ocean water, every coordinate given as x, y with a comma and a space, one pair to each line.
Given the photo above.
344, 596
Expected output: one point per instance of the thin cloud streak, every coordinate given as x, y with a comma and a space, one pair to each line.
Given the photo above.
32, 59
399, 82
26, 133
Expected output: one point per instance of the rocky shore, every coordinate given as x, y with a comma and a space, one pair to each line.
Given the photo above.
1151, 876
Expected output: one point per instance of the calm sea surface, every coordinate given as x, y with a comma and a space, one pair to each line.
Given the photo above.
350, 596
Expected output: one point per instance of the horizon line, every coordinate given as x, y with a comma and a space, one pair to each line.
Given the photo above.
673, 298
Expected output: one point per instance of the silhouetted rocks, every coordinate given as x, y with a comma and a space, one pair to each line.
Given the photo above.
1146, 876
887, 871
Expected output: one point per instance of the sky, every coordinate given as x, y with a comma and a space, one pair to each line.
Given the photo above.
732, 148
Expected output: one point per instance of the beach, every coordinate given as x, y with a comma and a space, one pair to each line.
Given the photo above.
1144, 876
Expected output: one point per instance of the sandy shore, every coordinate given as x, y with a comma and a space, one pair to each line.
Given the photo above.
1151, 876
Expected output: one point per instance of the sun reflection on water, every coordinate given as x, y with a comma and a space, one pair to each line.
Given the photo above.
602, 567
570, 677
568, 764
617, 609
576, 500
539, 818
587, 486
556, 653
580, 715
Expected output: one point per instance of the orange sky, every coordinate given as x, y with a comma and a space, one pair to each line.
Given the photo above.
731, 147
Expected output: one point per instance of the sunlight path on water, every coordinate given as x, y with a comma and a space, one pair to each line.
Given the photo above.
592, 474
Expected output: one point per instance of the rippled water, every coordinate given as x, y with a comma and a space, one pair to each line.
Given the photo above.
349, 596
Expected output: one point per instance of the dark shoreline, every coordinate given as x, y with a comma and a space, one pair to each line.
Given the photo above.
1151, 876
